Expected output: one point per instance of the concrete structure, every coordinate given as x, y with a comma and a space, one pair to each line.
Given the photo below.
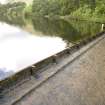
77, 78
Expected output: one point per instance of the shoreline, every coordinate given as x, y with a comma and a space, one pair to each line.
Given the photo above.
92, 19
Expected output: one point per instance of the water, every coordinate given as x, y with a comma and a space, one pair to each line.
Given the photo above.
24, 42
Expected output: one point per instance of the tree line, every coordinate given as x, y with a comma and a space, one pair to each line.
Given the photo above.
75, 8
15, 8
82, 8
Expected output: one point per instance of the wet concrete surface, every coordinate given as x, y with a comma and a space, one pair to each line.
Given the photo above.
80, 83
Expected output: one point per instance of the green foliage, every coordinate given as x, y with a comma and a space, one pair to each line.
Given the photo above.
40, 7
45, 7
89, 13
84, 11
78, 8
28, 10
100, 10
15, 8
56, 7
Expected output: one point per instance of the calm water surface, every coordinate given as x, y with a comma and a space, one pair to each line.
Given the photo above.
24, 42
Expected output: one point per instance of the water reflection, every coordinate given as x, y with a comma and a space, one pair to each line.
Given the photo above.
71, 31
19, 49
17, 20
4, 73
37, 38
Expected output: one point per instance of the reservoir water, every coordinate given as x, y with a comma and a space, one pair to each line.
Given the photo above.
24, 42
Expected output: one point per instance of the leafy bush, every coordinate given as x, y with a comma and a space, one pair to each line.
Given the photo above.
84, 11
100, 10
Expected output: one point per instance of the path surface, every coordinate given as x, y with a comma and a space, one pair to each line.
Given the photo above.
80, 83
78, 79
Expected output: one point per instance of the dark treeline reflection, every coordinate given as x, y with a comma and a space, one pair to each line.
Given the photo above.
13, 20
70, 31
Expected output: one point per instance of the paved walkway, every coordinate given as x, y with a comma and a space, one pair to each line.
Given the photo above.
81, 82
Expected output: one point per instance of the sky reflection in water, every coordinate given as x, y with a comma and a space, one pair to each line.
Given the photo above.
19, 49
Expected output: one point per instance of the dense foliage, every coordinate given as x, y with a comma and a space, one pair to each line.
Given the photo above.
15, 8
94, 9
77, 8
54, 7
